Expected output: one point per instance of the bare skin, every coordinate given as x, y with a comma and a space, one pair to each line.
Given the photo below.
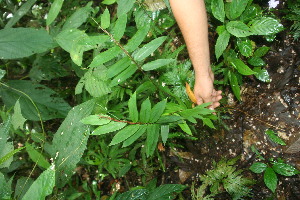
192, 20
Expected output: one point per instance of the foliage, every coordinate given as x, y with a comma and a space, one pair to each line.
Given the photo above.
100, 85
293, 14
271, 169
224, 175
240, 22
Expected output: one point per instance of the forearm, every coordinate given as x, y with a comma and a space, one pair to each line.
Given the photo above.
192, 20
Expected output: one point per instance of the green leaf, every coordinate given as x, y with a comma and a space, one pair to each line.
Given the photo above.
5, 187
208, 122
234, 85
78, 17
245, 46
145, 110
157, 111
124, 134
136, 136
137, 39
96, 81
20, 13
132, 107
54, 10
69, 142
273, 137
48, 102
235, 8
6, 155
4, 133
166, 119
123, 76
238, 29
164, 131
265, 26
37, 157
167, 191
262, 74
156, 64
96, 120
285, 169
152, 138
149, 48
105, 19
18, 42
107, 128
258, 167
108, 2
250, 13
137, 194
185, 128
217, 7
256, 61
222, 43
43, 185
118, 67
124, 6
241, 67
17, 118
105, 56
22, 186
270, 179
2, 73
119, 28
261, 51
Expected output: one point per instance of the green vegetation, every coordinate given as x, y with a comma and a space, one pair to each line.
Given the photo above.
101, 86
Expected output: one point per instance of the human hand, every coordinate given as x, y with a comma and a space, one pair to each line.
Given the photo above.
204, 90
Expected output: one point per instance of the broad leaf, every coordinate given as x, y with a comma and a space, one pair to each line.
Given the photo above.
37, 157
167, 191
132, 107
54, 10
256, 61
105, 56
149, 48
20, 13
262, 74
235, 8
137, 135
5, 187
261, 51
123, 76
137, 39
118, 67
124, 6
47, 101
258, 167
217, 7
234, 85
157, 64
245, 46
43, 185
119, 28
238, 29
157, 111
241, 67
108, 128
124, 134
105, 19
96, 120
19, 43
69, 142
222, 43
285, 169
270, 179
17, 119
138, 194
78, 17
265, 26
152, 138
7, 153
164, 131
145, 110
250, 13
4, 132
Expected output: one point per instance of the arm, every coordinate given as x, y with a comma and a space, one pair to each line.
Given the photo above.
192, 20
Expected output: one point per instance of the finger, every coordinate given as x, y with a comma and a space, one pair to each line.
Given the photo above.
216, 104
200, 101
